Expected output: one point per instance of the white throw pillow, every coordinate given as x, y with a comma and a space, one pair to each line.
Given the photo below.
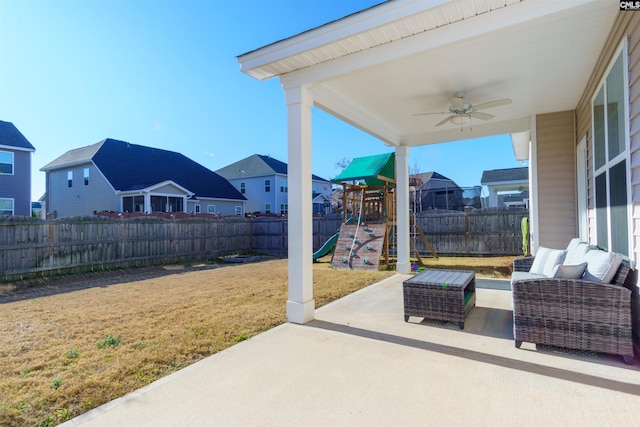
576, 253
546, 261
564, 271
601, 266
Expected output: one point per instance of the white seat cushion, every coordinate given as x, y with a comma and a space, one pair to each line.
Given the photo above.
546, 261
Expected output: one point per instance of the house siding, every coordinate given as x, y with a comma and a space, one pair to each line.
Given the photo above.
627, 25
168, 189
556, 183
254, 191
80, 199
223, 207
257, 197
18, 185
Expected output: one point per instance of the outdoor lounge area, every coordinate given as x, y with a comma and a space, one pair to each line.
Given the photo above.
360, 363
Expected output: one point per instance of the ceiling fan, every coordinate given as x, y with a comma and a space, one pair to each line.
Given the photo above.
461, 111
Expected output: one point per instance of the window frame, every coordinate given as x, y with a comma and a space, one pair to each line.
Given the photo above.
70, 179
267, 186
85, 176
611, 163
267, 208
243, 188
12, 163
13, 205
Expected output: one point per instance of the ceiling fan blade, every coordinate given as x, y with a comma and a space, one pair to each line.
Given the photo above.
427, 114
491, 104
457, 102
481, 116
445, 121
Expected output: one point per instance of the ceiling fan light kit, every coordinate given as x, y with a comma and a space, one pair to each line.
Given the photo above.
462, 112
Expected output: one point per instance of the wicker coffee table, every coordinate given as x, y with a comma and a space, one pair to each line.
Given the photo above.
447, 295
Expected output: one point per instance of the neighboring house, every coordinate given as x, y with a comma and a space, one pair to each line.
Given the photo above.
435, 191
118, 176
573, 91
15, 171
263, 180
507, 187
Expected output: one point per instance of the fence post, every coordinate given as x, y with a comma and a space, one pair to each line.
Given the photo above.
467, 233
51, 240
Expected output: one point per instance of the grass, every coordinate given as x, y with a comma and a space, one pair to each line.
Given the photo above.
73, 343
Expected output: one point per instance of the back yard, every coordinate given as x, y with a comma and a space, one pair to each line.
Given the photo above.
72, 343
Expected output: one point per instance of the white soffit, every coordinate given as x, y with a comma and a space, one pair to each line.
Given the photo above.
361, 31
378, 68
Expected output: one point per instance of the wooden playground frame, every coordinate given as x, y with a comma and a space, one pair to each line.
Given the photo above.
377, 204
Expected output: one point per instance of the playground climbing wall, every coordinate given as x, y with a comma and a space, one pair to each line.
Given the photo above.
365, 253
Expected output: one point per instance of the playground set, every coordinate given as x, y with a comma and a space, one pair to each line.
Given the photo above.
367, 237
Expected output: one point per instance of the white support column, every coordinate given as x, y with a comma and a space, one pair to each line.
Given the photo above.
493, 197
402, 205
300, 305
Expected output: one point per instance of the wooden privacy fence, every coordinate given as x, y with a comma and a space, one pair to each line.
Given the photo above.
482, 232
31, 246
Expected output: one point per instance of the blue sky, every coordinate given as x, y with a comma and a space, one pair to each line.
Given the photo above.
163, 73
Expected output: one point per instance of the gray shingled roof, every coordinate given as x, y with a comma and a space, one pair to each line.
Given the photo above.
133, 167
257, 165
74, 157
10, 136
505, 175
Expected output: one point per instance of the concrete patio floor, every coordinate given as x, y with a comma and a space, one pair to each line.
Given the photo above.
360, 364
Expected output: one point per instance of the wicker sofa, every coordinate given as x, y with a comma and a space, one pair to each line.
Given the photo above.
574, 313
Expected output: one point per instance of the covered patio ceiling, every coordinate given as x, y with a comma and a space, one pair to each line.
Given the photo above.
380, 67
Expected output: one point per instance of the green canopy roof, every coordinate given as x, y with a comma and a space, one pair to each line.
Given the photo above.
374, 170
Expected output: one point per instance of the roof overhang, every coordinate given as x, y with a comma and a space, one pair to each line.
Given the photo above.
378, 68
153, 188
13, 148
520, 142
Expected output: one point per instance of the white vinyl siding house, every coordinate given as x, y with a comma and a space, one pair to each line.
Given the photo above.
264, 182
256, 192
69, 196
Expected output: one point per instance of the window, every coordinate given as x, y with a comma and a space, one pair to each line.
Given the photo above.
6, 163
610, 159
284, 186
85, 173
267, 208
133, 204
238, 210
211, 209
284, 208
197, 209
267, 186
243, 187
70, 179
166, 204
6, 206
